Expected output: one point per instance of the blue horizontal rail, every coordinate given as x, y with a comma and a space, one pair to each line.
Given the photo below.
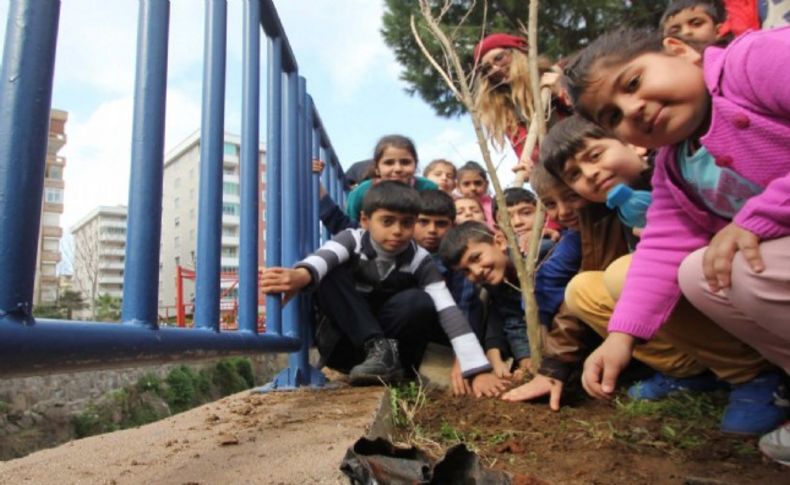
295, 135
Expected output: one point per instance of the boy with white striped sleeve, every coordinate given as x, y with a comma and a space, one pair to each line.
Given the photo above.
382, 293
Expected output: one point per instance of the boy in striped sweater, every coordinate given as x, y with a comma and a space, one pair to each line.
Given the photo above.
382, 292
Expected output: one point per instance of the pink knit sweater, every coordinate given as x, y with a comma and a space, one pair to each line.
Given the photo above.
749, 83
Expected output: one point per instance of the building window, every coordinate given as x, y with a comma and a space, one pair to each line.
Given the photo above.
177, 182
191, 194
54, 172
191, 173
178, 260
175, 202
230, 188
229, 251
53, 195
177, 242
191, 234
230, 209
192, 214
231, 150
177, 221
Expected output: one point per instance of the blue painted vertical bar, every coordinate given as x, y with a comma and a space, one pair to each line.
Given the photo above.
331, 186
315, 182
301, 360
25, 98
250, 168
274, 162
207, 288
325, 183
290, 192
144, 223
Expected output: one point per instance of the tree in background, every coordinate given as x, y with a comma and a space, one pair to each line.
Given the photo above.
70, 301
107, 308
565, 27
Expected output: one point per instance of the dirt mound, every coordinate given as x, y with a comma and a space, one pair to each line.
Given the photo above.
674, 441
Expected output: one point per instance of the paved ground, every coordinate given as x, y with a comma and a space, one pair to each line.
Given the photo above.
287, 437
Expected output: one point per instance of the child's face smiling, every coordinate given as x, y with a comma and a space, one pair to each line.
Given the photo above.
655, 99
485, 263
430, 230
563, 205
444, 176
692, 24
390, 230
522, 218
599, 166
468, 210
396, 164
471, 184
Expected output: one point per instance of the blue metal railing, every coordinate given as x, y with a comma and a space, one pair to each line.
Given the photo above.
295, 134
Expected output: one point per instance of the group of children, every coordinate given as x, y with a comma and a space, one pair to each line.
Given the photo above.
690, 122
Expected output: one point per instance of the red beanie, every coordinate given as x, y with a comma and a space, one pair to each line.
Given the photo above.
495, 41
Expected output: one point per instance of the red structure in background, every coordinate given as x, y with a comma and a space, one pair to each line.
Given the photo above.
228, 309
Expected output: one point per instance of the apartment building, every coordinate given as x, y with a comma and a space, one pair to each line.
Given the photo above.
180, 219
50, 232
99, 252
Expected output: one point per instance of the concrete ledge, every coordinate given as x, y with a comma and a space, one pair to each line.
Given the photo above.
288, 437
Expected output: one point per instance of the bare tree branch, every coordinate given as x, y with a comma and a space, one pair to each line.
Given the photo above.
464, 94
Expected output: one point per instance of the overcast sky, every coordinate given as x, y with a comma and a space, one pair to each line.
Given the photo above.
351, 74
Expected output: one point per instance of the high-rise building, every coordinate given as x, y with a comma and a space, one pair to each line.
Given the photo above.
46, 281
180, 219
99, 253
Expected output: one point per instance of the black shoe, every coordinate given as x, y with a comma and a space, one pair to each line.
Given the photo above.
381, 364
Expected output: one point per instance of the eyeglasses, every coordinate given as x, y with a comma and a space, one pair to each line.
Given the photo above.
499, 61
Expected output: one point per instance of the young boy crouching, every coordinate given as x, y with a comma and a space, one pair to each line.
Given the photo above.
380, 292
436, 218
483, 256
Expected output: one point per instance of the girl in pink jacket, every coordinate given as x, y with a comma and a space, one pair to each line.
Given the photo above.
718, 230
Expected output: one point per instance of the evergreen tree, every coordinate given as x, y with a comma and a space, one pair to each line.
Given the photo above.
564, 27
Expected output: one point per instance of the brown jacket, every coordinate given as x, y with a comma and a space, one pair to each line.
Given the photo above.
604, 239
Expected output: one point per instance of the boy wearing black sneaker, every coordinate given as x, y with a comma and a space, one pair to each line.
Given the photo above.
381, 291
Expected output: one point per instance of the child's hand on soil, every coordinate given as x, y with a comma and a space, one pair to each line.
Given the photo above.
284, 280
605, 363
461, 386
717, 260
537, 387
524, 368
488, 385
500, 368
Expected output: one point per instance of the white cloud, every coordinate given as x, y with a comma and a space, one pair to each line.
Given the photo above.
98, 151
343, 37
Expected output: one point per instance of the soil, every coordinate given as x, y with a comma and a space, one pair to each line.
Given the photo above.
595, 442
284, 437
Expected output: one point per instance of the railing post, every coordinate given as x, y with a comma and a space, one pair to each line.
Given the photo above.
144, 226
274, 161
207, 279
290, 192
25, 97
250, 169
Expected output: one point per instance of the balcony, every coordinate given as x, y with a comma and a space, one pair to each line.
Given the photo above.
112, 265
51, 207
110, 280
229, 261
50, 256
230, 241
51, 231
117, 238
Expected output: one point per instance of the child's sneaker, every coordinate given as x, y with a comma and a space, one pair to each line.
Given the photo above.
661, 385
752, 409
381, 364
776, 444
